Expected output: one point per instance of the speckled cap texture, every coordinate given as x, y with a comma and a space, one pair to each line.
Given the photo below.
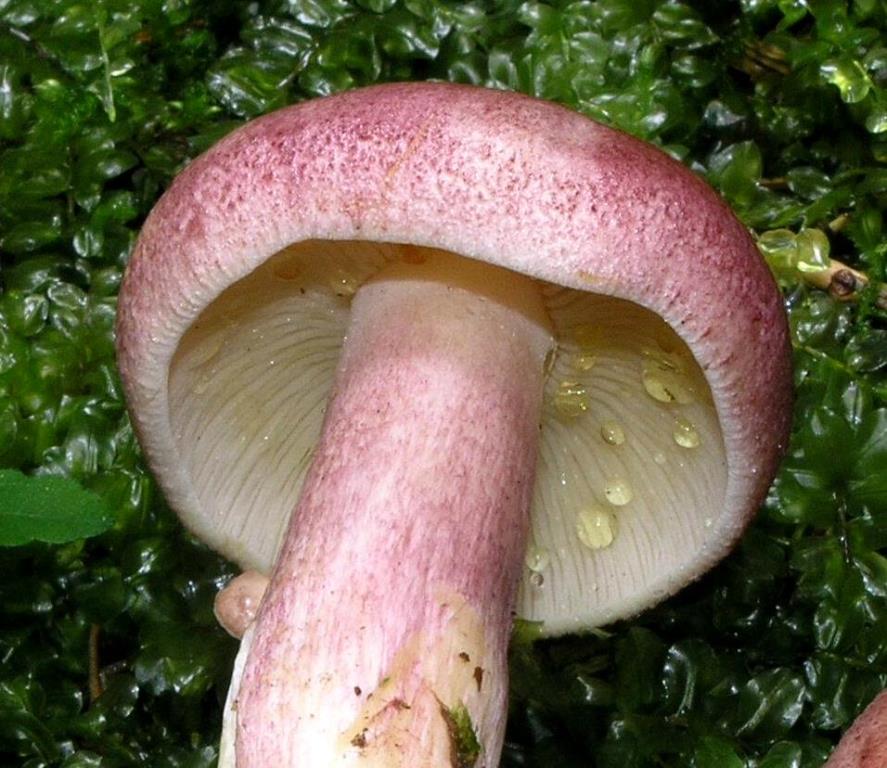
864, 745
491, 175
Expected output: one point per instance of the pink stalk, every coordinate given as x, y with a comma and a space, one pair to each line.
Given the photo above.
382, 638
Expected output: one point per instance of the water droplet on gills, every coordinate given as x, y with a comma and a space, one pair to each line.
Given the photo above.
537, 558
618, 492
612, 433
582, 361
344, 285
665, 386
685, 434
570, 399
588, 339
596, 527
663, 377
659, 458
537, 579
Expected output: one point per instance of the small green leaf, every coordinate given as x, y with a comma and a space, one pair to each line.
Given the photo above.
851, 79
714, 752
813, 250
50, 509
876, 121
784, 754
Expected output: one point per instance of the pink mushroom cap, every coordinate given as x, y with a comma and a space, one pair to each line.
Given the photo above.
319, 195
864, 745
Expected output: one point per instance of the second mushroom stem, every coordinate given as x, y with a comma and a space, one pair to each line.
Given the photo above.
382, 638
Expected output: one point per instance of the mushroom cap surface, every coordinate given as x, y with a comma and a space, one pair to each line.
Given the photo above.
489, 175
864, 745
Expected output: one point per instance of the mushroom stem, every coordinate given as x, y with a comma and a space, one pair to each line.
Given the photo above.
382, 638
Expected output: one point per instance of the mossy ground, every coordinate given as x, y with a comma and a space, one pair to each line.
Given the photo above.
780, 104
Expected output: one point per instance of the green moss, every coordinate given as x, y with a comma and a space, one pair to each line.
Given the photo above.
780, 104
463, 738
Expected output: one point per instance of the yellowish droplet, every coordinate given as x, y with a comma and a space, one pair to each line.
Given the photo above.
618, 492
666, 385
659, 458
685, 433
571, 399
583, 361
596, 527
537, 559
666, 376
612, 433
288, 270
344, 285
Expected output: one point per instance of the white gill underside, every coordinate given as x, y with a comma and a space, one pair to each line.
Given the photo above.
618, 503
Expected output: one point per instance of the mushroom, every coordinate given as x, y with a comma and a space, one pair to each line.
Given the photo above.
864, 745
433, 356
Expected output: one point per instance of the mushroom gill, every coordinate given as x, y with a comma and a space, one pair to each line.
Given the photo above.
631, 473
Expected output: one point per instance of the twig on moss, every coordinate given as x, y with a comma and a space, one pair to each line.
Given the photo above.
95, 677
844, 283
